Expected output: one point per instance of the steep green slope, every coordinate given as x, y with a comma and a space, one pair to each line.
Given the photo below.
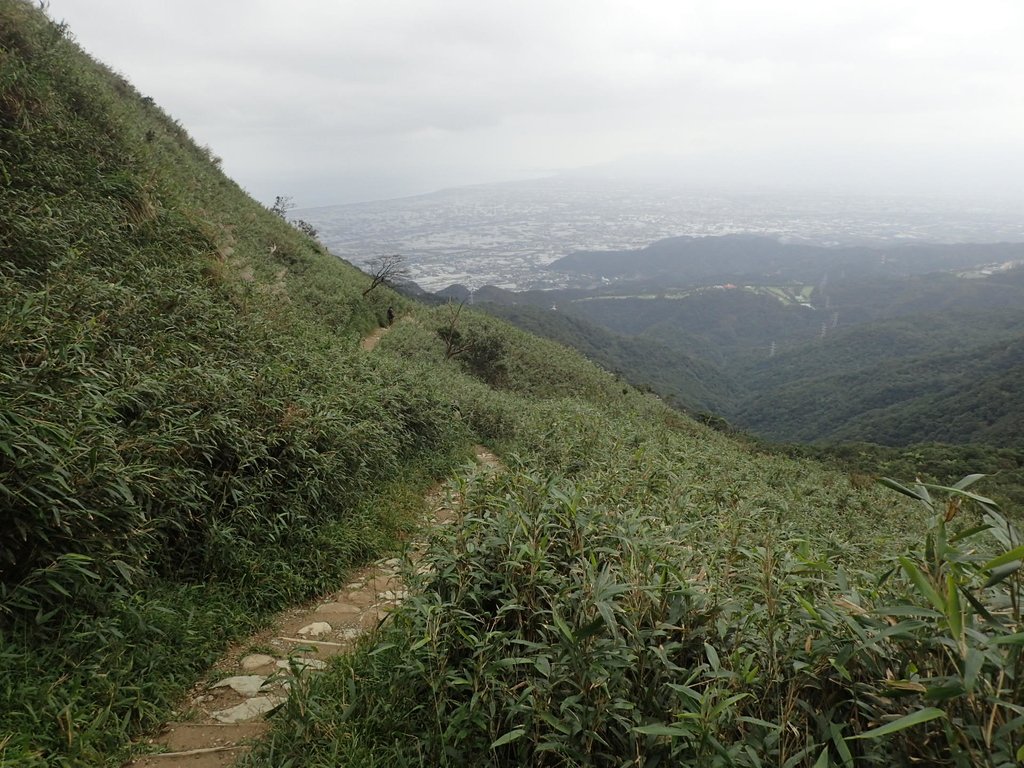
684, 381
189, 436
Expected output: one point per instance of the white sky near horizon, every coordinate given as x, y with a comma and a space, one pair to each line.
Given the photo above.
334, 101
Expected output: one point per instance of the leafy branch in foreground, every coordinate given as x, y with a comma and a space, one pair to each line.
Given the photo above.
964, 628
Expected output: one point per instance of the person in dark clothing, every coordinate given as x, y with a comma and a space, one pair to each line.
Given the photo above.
391, 315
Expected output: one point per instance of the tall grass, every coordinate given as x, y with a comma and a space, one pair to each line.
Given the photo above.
553, 627
637, 590
188, 436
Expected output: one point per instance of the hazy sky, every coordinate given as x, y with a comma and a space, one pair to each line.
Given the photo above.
334, 101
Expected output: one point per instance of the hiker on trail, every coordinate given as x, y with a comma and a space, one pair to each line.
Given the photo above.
391, 315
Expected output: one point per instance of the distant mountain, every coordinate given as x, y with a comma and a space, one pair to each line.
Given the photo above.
459, 292
700, 260
971, 396
893, 346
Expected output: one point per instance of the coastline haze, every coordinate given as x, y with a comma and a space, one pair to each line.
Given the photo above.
505, 234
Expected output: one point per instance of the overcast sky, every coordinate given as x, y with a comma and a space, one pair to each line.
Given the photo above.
334, 101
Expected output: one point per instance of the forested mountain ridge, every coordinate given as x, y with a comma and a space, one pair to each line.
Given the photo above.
738, 257
819, 344
971, 396
192, 438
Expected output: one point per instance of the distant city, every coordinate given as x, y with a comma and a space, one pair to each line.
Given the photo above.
506, 234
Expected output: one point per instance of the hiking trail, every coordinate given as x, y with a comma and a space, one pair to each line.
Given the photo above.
219, 721
370, 340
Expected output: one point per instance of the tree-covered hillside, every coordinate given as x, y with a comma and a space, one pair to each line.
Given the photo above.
926, 378
897, 345
737, 258
191, 438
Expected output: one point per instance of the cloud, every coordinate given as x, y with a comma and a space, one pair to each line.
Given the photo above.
335, 98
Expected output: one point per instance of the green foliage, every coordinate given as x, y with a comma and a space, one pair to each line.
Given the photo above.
930, 462
189, 437
952, 632
554, 626
109, 673
547, 637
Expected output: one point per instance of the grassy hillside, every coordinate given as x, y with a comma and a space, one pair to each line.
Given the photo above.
685, 382
191, 438
636, 589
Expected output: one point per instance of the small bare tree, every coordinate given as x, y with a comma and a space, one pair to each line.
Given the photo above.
305, 228
455, 343
282, 204
384, 269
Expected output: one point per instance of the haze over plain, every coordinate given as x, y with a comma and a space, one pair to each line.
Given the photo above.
340, 102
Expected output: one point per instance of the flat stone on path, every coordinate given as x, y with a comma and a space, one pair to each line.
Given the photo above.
361, 599
247, 685
256, 660
248, 710
384, 583
372, 618
316, 629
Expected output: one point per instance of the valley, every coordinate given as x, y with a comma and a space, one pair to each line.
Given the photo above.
505, 235
816, 344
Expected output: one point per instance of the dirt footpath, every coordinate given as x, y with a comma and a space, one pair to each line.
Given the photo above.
219, 721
